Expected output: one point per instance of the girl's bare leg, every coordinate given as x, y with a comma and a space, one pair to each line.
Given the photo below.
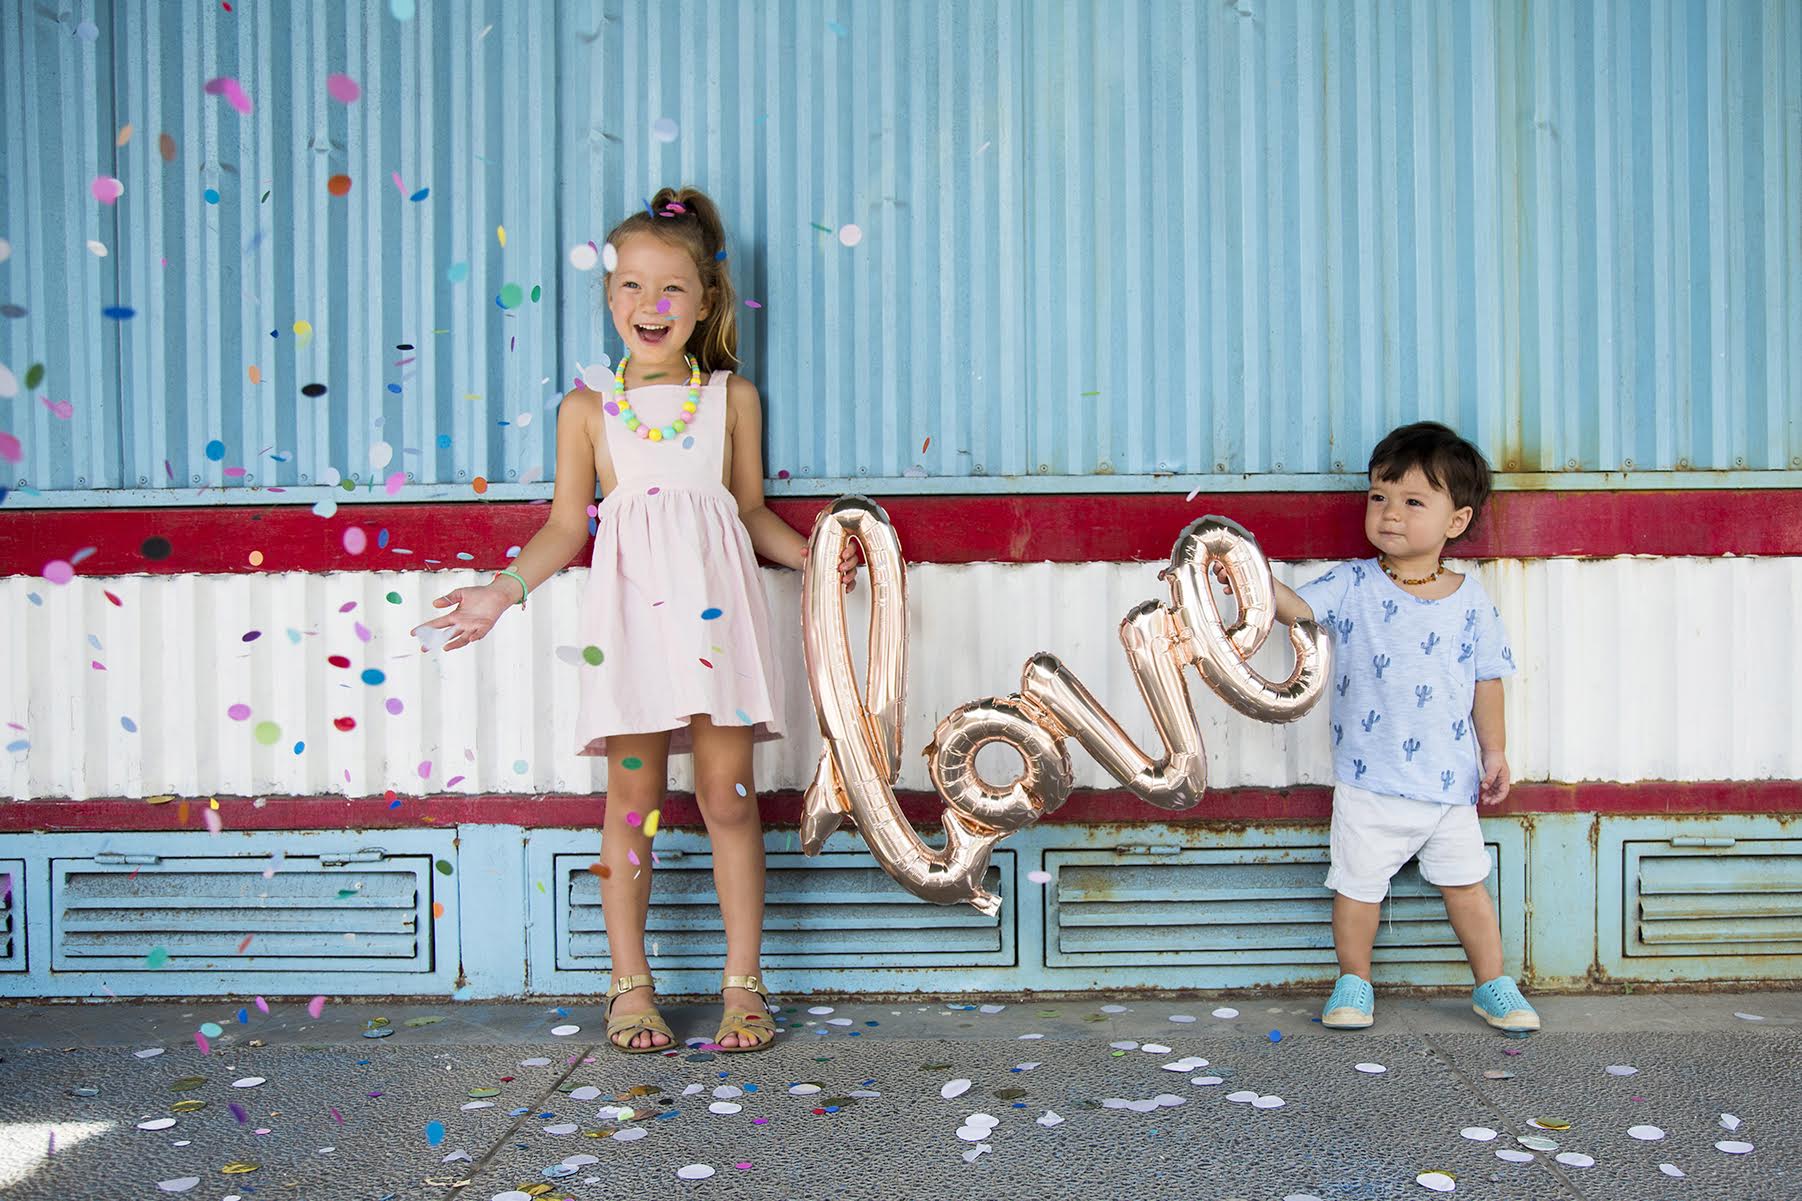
722, 768
625, 885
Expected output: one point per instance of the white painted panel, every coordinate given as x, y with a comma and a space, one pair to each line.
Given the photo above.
1632, 669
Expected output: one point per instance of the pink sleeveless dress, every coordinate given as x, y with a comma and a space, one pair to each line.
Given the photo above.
674, 601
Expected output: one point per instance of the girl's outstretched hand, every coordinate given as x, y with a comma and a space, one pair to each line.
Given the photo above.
473, 613
847, 563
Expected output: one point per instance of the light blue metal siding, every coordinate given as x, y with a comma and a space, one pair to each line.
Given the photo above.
1098, 243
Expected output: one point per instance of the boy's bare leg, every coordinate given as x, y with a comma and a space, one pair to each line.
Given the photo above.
1354, 933
1473, 918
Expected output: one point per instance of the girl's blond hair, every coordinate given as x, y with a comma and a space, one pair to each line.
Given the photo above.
688, 218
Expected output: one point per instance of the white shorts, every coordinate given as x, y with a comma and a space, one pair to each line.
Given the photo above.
1373, 836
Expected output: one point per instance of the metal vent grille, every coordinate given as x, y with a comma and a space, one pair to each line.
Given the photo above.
1713, 896
1223, 907
838, 909
12, 915
360, 910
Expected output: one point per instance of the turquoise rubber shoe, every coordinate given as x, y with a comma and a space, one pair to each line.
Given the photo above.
1352, 1006
1500, 1003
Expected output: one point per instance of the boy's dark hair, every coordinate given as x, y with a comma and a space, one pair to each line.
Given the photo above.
1450, 464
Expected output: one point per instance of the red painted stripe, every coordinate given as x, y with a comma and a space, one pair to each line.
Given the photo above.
933, 529
1312, 803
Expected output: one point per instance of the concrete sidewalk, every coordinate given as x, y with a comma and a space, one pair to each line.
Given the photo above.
1103, 1097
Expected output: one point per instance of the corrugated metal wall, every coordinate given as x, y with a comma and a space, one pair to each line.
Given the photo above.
1631, 669
1098, 242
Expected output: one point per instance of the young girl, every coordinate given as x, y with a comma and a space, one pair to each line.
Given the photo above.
674, 603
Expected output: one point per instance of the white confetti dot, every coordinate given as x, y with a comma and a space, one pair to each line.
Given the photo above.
180, 1184
1208, 1081
849, 235
1271, 1102
1155, 1049
512, 1194
1301, 1197
1729, 1122
1026, 1038
1184, 1018
561, 1128
1372, 1069
808, 1090
580, 1161
973, 1134
1510, 1155
1748, 1017
976, 1152
1039, 877
1576, 1159
1622, 1069
991, 1009
1028, 1066
630, 1134
1226, 1011
537, 1062
1244, 1096
97, 249
380, 455
247, 1082
664, 129
1437, 1182
1051, 1118
1478, 1134
609, 257
583, 256
148, 1053
724, 1092
822, 1010
724, 1107
565, 1031
587, 1092
1672, 1170
1169, 1100
954, 1088
469, 1105
1646, 1134
695, 1171
1734, 1147
156, 1124
987, 1121
1113, 1009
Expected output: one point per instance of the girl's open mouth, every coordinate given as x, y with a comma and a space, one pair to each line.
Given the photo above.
652, 335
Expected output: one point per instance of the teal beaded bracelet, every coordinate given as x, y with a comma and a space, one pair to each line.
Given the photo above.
523, 586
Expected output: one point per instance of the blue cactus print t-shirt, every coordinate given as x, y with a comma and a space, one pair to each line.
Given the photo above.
1405, 674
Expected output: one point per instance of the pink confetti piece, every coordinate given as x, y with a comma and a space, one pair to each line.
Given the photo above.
343, 89
214, 823
355, 540
634, 819
396, 482
106, 189
425, 769
632, 858
398, 185
206, 1048
10, 450
315, 1007
262, 1005
453, 781
336, 1116
232, 90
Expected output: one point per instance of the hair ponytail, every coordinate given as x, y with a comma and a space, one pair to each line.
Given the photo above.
687, 217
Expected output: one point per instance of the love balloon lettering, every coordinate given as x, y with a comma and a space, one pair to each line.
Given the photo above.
861, 758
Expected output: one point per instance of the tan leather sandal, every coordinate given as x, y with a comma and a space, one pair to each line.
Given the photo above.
743, 1022
621, 1031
